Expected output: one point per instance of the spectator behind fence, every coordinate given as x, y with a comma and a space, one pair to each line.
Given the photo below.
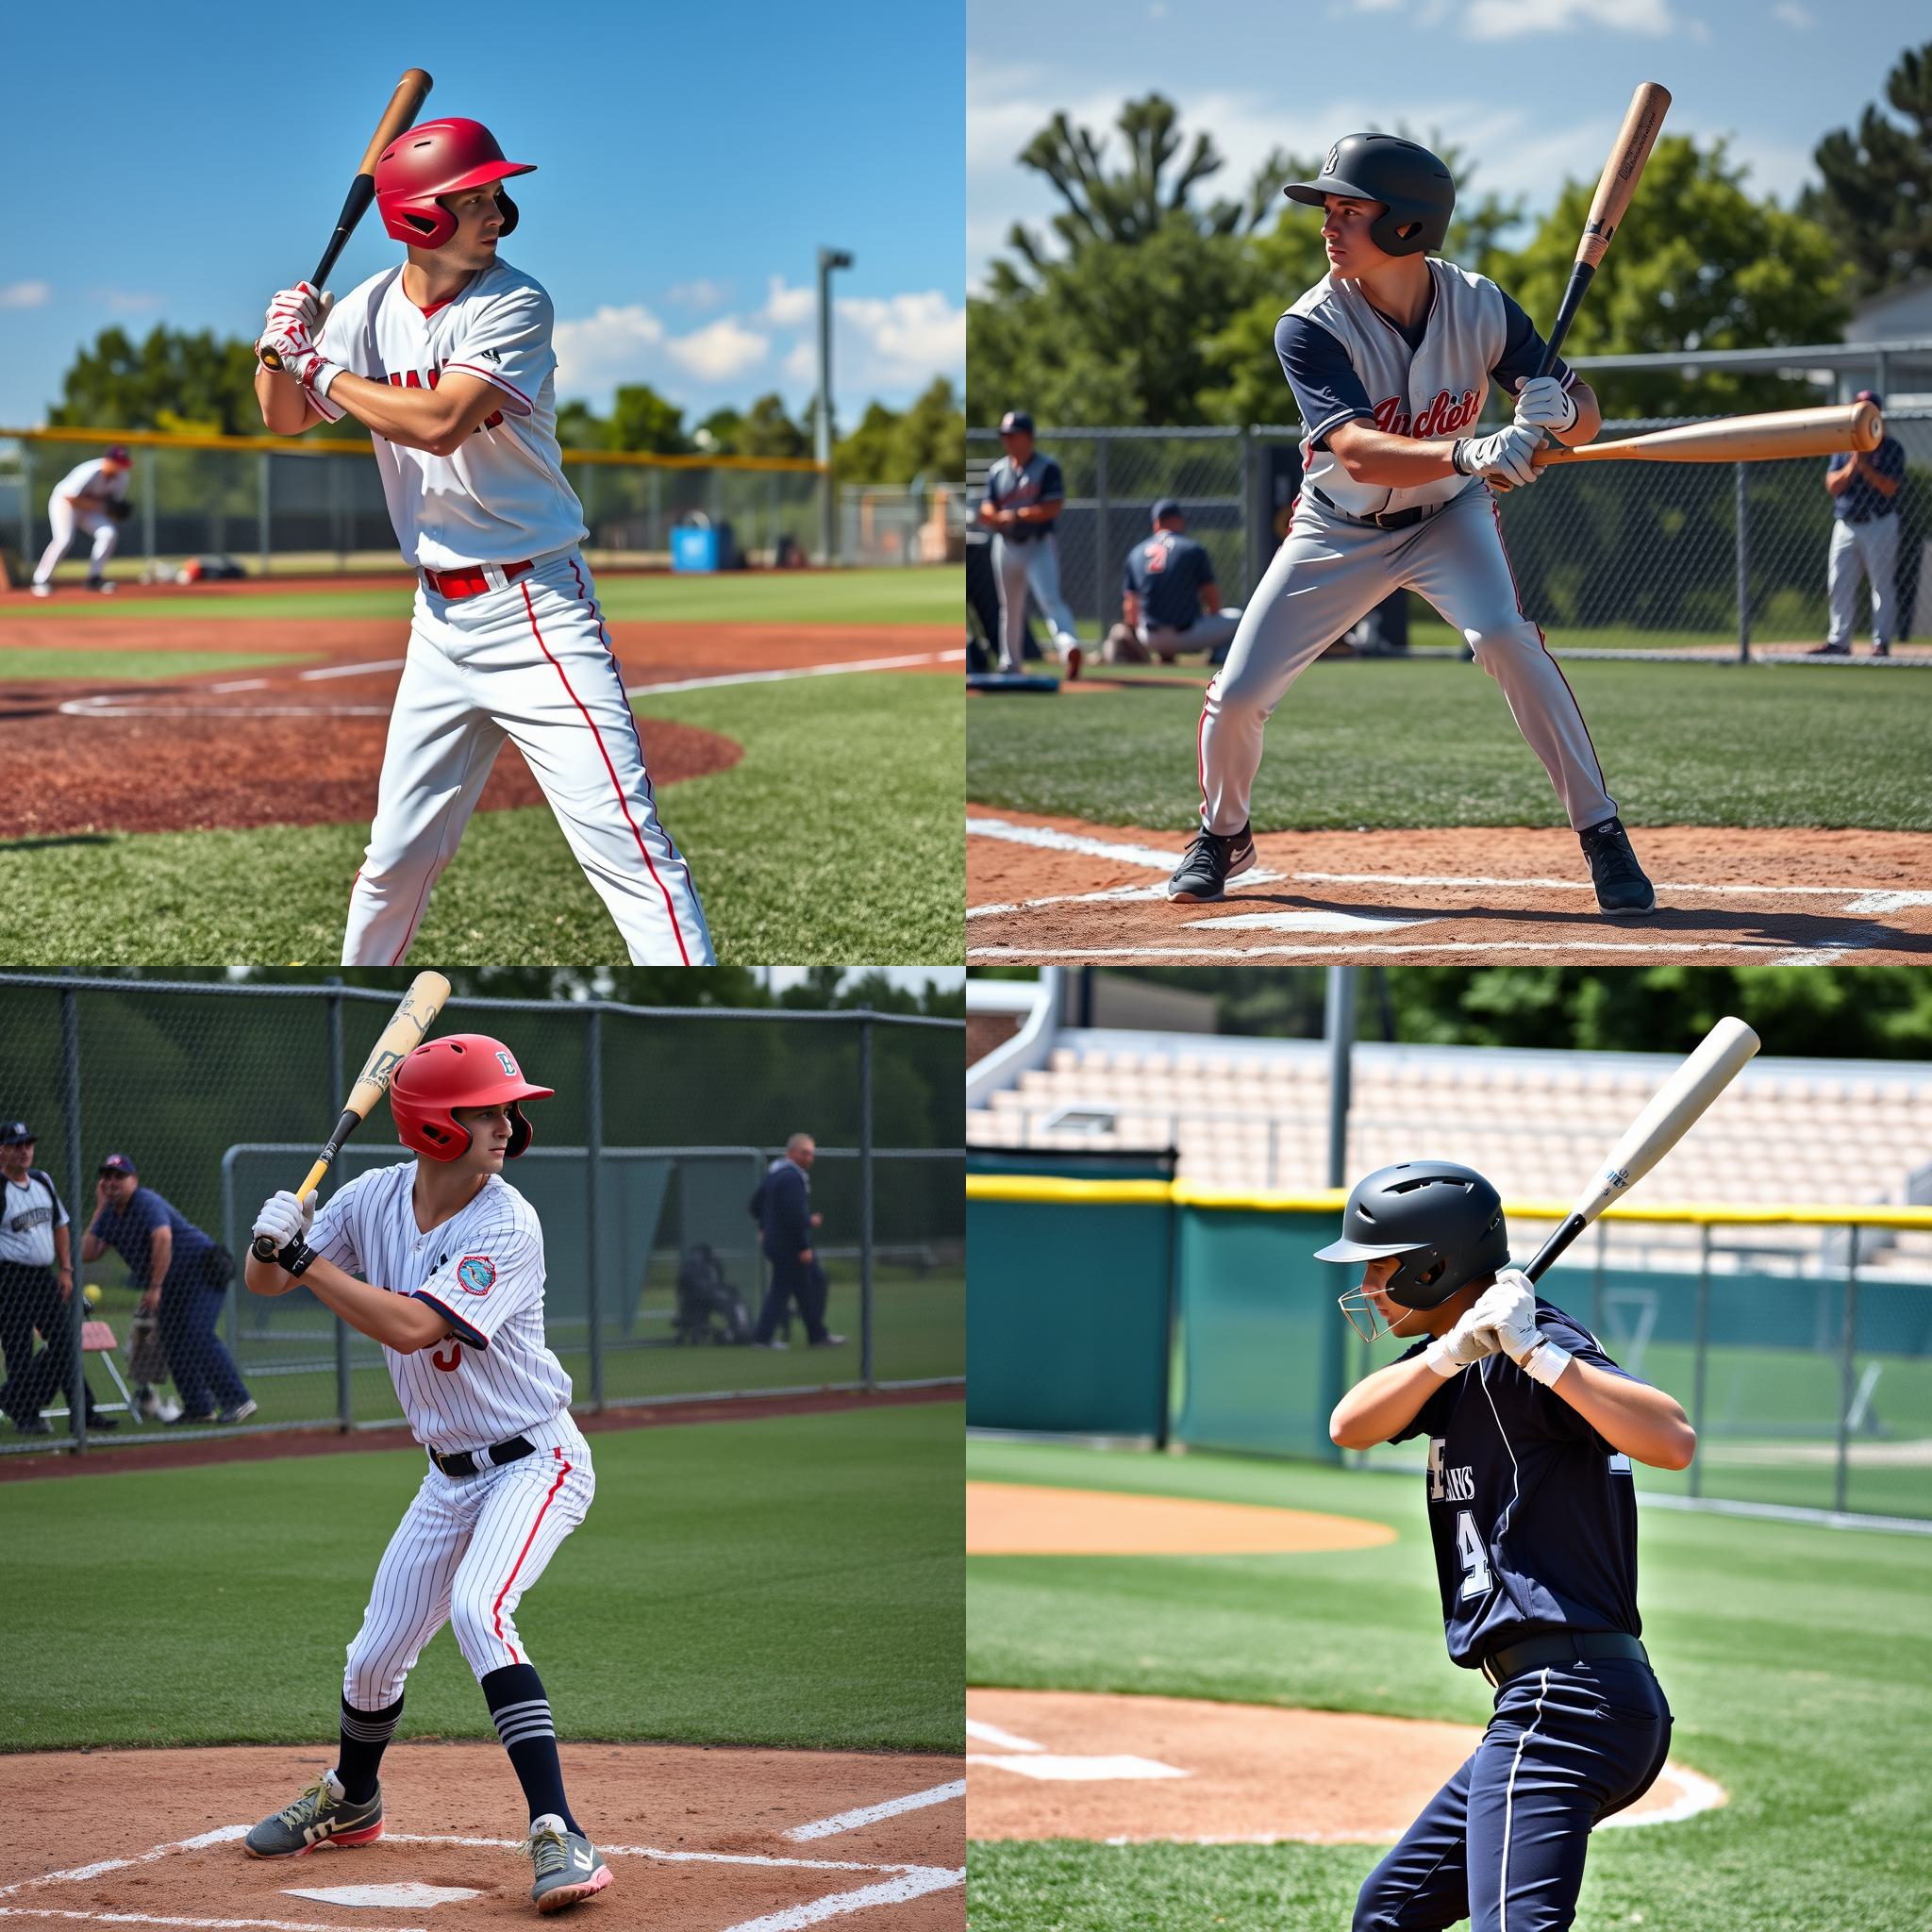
782, 1207
36, 1289
185, 1276
1169, 602
1863, 486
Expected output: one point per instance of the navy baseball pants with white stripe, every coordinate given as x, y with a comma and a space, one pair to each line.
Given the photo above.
1502, 1844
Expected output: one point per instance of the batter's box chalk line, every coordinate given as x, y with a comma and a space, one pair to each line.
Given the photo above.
898, 1882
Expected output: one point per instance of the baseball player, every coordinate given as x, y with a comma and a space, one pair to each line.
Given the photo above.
1024, 495
1169, 602
91, 498
1863, 487
1532, 1508
447, 361
441, 1262
1390, 356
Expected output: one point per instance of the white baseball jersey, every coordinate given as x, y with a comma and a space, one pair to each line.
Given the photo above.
29, 1213
93, 482
1435, 389
502, 497
483, 1268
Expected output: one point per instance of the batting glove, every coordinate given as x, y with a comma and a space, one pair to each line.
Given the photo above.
1503, 459
1543, 403
284, 1217
1468, 1341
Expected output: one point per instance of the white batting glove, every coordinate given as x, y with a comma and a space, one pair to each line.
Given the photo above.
283, 1217
1468, 1341
1503, 459
1543, 403
301, 304
1507, 1309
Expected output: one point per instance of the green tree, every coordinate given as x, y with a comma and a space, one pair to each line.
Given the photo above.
930, 440
1697, 265
578, 426
720, 431
866, 455
768, 431
1876, 199
641, 419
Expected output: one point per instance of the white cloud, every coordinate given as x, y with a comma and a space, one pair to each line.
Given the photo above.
1506, 20
24, 295
127, 301
901, 342
1791, 14
801, 363
719, 351
601, 350
700, 293
785, 306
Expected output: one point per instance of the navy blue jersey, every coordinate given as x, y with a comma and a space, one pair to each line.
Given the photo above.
1532, 1513
1013, 486
130, 1231
1862, 501
1328, 391
785, 1210
1166, 573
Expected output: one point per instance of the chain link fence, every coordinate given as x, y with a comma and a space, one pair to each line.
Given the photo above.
1607, 556
885, 523
663, 1122
277, 506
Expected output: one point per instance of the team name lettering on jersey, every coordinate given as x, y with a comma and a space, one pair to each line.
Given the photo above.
1446, 415
1449, 1483
410, 378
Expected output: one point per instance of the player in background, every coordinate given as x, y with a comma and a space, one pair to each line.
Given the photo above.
447, 361
1390, 357
1169, 602
440, 1260
91, 499
1532, 1510
1024, 495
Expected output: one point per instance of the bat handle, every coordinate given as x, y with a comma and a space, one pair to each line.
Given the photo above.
1546, 1255
269, 360
262, 1248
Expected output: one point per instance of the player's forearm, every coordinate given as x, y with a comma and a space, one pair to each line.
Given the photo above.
1589, 419
415, 418
1642, 1422
161, 1255
62, 1255
1040, 512
91, 1246
1397, 462
284, 404
397, 1322
1380, 1405
1837, 481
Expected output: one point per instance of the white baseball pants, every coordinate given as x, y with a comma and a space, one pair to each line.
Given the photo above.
1870, 548
66, 520
1018, 568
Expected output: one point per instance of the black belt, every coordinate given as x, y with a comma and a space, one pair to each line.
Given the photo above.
1390, 518
1574, 1646
464, 1461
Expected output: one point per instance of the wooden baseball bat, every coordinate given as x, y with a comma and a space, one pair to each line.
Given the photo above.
1629, 153
404, 104
405, 1032
1670, 1113
1738, 439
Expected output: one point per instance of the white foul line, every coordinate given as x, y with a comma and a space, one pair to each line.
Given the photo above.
101, 1918
1646, 948
893, 1891
868, 1814
991, 1734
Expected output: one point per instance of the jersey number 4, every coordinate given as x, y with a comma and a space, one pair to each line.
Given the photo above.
1472, 1556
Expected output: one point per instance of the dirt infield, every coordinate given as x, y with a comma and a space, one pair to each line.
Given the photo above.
302, 743
1044, 890
1129, 1769
1029, 1520
695, 1838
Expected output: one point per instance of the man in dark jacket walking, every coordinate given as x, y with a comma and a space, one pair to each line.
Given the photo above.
786, 1224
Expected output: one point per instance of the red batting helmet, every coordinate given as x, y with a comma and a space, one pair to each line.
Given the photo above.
458, 1069
439, 157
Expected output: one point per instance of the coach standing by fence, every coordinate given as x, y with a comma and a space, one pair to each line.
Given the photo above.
36, 1288
787, 1224
1863, 486
186, 1276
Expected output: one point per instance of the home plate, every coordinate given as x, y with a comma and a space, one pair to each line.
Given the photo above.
409, 1893
1305, 922
1048, 1765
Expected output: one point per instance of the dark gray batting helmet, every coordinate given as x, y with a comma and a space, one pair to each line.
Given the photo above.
1417, 190
1444, 1221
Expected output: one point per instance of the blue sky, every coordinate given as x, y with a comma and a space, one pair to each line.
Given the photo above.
691, 162
1532, 89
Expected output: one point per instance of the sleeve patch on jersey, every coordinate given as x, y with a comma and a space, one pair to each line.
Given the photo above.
477, 1272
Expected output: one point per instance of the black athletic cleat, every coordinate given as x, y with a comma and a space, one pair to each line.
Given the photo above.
1620, 886
1209, 862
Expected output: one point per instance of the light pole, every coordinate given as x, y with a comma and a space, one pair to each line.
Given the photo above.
829, 258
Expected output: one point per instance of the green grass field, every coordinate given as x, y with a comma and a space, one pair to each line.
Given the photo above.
792, 1582
21, 663
832, 597
1798, 1663
1431, 742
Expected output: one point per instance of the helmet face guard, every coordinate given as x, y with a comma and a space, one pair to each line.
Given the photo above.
1443, 1221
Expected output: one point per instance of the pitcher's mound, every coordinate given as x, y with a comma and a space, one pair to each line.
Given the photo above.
1132, 1769
1023, 1519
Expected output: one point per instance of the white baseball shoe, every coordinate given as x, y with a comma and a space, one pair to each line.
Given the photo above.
43, 590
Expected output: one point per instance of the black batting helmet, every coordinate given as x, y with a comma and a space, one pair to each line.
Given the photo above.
1417, 190
1016, 423
1444, 1221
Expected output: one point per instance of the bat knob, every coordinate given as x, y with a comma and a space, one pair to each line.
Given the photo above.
262, 1248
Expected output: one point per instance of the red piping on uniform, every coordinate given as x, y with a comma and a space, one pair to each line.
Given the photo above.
597, 616
669, 909
1603, 784
490, 376
496, 1609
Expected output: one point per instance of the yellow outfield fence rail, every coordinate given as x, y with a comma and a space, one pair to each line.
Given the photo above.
265, 501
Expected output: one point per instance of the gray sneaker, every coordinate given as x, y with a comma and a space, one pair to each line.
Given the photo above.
321, 1816
567, 1865
240, 1413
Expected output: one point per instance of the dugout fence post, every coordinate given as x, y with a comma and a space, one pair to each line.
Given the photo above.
1742, 500
594, 1139
151, 461
865, 1363
1846, 1362
1701, 1352
263, 534
70, 1099
332, 1029
28, 557
1101, 553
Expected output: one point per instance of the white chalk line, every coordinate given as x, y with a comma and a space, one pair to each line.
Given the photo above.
109, 704
893, 1891
1026, 955
992, 1734
870, 1814
98, 1917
